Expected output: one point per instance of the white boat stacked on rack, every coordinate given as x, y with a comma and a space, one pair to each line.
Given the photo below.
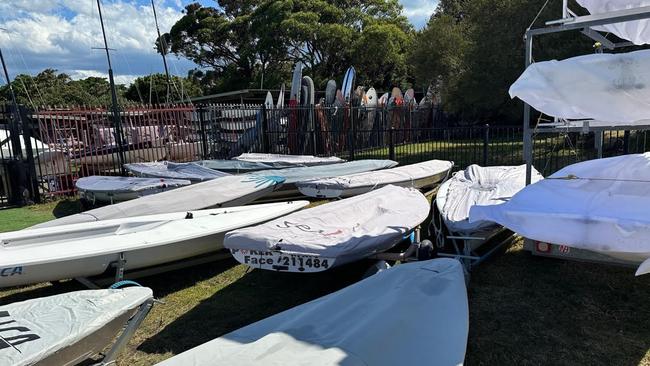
296, 160
609, 88
226, 191
412, 314
170, 170
598, 205
69, 328
636, 31
420, 175
294, 176
329, 235
110, 189
88, 249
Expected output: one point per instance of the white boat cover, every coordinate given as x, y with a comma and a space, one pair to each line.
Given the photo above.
482, 186
36, 329
599, 205
98, 183
606, 87
352, 228
411, 314
171, 170
406, 175
226, 191
306, 160
300, 174
637, 31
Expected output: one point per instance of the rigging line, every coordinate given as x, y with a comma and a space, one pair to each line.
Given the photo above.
575, 177
35, 85
537, 16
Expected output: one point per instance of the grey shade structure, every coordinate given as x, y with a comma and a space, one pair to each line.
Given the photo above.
170, 170
69, 328
228, 191
412, 314
117, 189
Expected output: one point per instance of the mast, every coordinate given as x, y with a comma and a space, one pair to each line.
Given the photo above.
16, 149
117, 120
163, 52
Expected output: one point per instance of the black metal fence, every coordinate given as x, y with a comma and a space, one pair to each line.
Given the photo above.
53, 147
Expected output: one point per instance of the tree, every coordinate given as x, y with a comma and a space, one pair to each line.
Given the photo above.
247, 41
152, 89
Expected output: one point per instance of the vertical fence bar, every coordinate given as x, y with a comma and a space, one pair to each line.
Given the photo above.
486, 143
204, 138
391, 144
353, 137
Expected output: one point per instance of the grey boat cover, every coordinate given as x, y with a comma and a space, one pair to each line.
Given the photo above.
306, 160
403, 175
600, 205
412, 314
98, 183
351, 228
294, 175
171, 170
240, 166
228, 191
482, 186
36, 329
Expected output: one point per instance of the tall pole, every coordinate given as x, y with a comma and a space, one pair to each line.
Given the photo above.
117, 120
163, 52
15, 147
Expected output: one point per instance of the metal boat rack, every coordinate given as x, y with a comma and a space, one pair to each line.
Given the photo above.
586, 25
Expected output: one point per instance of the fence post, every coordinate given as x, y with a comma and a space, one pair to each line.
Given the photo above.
626, 142
353, 138
264, 130
391, 143
486, 143
29, 159
204, 138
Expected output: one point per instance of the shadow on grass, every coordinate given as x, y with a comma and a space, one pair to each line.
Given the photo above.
161, 284
255, 296
66, 208
528, 310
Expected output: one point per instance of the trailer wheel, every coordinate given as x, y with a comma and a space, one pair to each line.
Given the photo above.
425, 251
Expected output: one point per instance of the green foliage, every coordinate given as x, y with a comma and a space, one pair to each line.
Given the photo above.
242, 43
50, 88
476, 49
152, 89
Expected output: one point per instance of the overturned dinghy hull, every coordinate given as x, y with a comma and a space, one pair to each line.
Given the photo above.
329, 235
118, 189
89, 249
69, 328
412, 314
226, 191
598, 205
419, 176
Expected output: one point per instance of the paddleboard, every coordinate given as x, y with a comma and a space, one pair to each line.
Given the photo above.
348, 84
330, 92
294, 100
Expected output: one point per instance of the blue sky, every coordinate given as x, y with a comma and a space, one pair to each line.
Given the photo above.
61, 34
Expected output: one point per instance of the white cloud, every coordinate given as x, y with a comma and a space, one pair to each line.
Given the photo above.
119, 79
419, 11
61, 34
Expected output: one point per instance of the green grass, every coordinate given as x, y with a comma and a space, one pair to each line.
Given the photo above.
524, 310
20, 218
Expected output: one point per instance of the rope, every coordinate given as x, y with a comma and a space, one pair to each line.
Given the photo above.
575, 177
121, 284
538, 14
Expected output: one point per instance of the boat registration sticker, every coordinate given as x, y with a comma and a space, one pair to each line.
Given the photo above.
278, 261
564, 249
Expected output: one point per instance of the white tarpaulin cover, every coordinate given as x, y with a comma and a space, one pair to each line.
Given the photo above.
412, 314
40, 327
236, 166
351, 229
407, 175
600, 205
171, 170
116, 185
637, 31
228, 191
607, 87
300, 174
481, 186
305, 160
